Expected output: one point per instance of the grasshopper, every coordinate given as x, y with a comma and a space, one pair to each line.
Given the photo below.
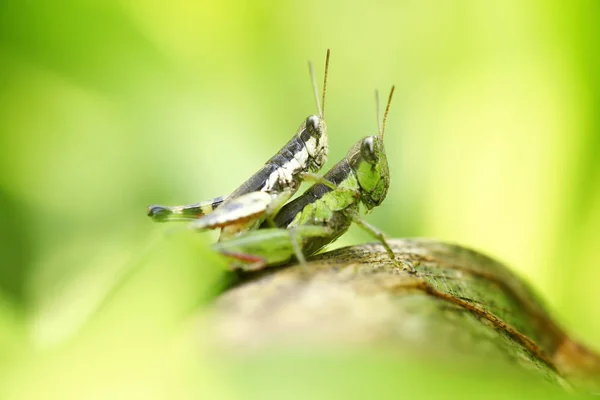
265, 192
324, 212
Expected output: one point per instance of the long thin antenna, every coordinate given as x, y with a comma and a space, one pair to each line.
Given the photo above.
311, 71
325, 81
377, 110
387, 110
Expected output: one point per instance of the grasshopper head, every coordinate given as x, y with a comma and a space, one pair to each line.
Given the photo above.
368, 161
316, 141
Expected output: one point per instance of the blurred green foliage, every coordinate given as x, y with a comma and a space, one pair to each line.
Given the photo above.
106, 106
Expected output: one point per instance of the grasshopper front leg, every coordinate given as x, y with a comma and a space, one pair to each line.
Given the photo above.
379, 235
309, 176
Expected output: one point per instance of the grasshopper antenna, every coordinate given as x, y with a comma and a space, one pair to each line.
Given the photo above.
377, 110
387, 110
314, 84
311, 70
325, 82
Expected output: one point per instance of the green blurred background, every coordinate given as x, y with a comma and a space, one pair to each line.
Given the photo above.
107, 106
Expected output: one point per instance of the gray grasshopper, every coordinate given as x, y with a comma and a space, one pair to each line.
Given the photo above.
324, 212
265, 192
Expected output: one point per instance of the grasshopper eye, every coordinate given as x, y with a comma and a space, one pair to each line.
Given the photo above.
312, 123
367, 150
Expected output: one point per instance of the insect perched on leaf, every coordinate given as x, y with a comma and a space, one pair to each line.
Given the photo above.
322, 213
264, 193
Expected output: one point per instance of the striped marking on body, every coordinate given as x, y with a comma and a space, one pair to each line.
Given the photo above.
175, 213
285, 175
200, 209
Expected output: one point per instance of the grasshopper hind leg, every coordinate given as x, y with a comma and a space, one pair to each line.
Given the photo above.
257, 249
250, 262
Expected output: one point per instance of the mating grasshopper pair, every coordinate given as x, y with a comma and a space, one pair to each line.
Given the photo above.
259, 229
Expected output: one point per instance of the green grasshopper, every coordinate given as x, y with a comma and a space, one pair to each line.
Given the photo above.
324, 212
265, 192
